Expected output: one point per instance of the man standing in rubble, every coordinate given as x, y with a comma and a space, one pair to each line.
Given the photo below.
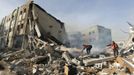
115, 48
87, 47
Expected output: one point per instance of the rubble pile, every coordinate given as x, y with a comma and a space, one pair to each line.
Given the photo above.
46, 62
34, 62
30, 44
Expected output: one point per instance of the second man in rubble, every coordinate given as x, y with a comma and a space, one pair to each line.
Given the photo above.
114, 47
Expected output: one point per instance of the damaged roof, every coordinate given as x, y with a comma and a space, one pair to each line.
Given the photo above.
49, 14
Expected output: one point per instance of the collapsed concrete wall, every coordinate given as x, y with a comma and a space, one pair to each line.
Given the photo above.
20, 28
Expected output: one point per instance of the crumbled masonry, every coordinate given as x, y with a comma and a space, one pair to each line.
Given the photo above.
43, 62
33, 42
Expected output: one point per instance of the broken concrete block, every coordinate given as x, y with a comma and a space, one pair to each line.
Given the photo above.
67, 57
98, 65
75, 61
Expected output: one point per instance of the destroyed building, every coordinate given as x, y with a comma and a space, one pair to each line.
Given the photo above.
30, 27
28, 22
98, 36
131, 35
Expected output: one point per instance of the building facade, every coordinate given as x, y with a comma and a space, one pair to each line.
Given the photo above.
29, 22
98, 36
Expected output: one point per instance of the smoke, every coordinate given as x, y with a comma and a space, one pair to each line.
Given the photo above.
102, 37
75, 39
99, 39
96, 50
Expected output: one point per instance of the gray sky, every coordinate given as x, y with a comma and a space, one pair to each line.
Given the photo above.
81, 14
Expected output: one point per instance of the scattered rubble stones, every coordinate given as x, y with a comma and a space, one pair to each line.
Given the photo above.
45, 62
